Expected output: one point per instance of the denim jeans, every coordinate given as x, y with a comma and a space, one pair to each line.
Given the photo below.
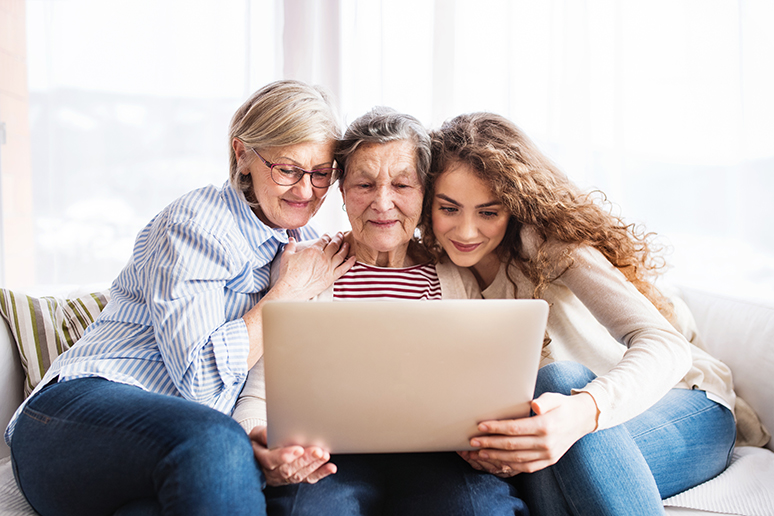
680, 442
92, 446
421, 484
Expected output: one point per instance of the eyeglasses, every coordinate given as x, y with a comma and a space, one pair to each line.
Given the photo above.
288, 175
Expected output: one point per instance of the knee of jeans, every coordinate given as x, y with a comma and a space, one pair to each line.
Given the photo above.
562, 377
217, 443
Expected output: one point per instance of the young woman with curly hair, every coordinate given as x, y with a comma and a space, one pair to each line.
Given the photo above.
626, 411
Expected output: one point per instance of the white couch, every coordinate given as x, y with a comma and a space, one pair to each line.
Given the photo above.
738, 332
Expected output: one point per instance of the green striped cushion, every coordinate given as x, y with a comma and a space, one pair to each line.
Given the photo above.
45, 327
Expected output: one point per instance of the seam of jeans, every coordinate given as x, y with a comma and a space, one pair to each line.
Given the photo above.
36, 416
673, 421
567, 500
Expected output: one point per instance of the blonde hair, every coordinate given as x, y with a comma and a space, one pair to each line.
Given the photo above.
281, 113
537, 194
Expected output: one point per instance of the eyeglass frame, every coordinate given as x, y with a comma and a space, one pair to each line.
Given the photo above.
335, 174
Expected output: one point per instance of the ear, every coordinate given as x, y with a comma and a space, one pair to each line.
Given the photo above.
240, 151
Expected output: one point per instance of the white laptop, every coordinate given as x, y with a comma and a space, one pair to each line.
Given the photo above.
397, 376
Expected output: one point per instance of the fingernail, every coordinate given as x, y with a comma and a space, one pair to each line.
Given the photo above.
475, 442
483, 455
483, 427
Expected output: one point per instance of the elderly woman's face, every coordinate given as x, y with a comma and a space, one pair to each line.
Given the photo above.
288, 207
383, 195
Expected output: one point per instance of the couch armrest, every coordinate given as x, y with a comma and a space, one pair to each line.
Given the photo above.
11, 381
741, 334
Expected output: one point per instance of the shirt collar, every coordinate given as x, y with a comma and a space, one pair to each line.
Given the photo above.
255, 231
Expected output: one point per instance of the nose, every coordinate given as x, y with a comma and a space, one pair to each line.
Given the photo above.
304, 189
383, 200
467, 229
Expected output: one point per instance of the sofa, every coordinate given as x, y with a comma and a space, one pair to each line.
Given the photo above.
739, 332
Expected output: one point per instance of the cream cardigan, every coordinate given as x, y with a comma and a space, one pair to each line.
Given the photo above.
599, 319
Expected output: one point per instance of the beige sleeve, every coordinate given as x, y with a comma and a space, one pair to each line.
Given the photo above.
250, 408
657, 356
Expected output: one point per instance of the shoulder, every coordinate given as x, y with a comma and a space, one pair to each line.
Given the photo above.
456, 282
203, 206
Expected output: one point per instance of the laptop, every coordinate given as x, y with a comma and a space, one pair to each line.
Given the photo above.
397, 376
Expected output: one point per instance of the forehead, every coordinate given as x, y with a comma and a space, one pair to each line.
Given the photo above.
396, 158
461, 182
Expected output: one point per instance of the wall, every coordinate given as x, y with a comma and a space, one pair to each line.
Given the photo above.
17, 260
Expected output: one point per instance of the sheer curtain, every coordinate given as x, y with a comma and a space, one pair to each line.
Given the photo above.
664, 105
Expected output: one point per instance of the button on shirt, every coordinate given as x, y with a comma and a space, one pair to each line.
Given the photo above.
174, 321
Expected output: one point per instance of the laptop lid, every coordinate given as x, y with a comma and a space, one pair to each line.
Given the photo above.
397, 376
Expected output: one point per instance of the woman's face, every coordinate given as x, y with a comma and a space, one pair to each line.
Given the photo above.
383, 195
287, 207
469, 222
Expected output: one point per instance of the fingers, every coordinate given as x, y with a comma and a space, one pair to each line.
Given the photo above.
546, 403
310, 467
514, 427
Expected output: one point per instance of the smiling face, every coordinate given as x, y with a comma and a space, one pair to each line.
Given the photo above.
383, 198
287, 207
469, 222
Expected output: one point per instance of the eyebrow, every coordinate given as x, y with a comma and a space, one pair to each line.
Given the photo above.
484, 205
291, 161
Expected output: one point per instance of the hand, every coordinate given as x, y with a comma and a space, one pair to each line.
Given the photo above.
292, 464
308, 268
530, 444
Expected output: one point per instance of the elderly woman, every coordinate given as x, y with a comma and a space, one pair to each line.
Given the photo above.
136, 417
385, 157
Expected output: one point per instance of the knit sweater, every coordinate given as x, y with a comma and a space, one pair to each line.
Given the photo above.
599, 319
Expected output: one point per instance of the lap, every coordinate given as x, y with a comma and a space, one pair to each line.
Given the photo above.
95, 445
399, 484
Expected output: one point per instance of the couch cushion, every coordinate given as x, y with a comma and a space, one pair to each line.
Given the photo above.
45, 327
740, 333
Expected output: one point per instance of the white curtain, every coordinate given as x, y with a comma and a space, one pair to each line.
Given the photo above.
664, 105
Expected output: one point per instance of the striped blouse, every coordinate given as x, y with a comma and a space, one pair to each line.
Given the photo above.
174, 322
363, 281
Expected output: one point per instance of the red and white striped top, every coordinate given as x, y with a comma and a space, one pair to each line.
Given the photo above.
363, 281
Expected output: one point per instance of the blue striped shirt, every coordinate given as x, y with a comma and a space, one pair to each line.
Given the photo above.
174, 321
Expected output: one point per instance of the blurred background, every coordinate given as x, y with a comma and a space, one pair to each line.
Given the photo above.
113, 108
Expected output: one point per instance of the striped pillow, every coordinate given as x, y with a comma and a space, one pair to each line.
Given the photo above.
46, 327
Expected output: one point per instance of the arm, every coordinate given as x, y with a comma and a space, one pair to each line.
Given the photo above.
288, 465
186, 278
304, 272
656, 359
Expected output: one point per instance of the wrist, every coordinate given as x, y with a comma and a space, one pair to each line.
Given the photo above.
589, 411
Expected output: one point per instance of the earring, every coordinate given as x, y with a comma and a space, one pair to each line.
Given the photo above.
344, 207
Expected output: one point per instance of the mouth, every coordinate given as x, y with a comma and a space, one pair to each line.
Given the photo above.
383, 224
465, 248
297, 204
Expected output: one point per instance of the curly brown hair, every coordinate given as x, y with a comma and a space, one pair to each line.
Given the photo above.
537, 194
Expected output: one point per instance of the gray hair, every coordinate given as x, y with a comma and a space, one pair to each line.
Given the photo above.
384, 125
281, 113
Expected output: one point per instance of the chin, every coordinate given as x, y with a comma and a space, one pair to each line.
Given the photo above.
462, 260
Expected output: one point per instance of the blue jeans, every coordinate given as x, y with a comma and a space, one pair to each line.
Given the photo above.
680, 442
92, 446
399, 484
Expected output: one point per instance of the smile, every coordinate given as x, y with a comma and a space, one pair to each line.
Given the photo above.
297, 204
383, 223
465, 248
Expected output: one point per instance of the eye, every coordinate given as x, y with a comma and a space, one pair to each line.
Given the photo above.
288, 171
448, 209
489, 214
